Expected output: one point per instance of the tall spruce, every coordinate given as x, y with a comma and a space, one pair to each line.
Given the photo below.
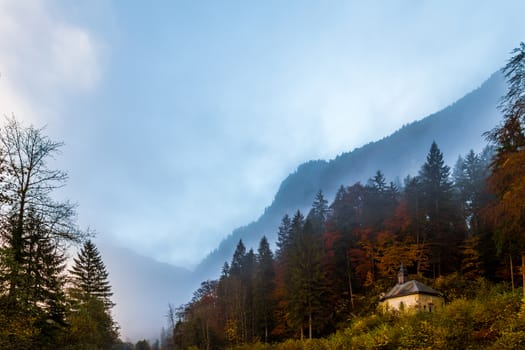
240, 287
470, 175
306, 280
89, 276
283, 238
381, 200
264, 289
339, 210
443, 227
319, 212
92, 325
238, 260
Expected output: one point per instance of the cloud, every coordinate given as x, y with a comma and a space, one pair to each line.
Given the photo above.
207, 107
43, 59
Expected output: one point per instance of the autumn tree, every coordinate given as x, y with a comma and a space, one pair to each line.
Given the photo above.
204, 314
507, 181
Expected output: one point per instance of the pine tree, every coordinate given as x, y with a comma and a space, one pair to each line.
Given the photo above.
46, 279
264, 288
247, 280
90, 316
89, 275
339, 210
283, 237
319, 212
239, 286
238, 259
380, 201
470, 175
435, 183
378, 182
305, 276
442, 226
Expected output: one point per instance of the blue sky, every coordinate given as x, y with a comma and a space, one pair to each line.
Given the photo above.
181, 118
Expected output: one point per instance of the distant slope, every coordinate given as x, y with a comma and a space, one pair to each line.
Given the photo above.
456, 129
142, 289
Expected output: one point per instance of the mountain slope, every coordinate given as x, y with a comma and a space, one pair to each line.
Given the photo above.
456, 129
142, 289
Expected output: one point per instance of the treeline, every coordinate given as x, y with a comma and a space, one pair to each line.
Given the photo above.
333, 262
42, 304
330, 266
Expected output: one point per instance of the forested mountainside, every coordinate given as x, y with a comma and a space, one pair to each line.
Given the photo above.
457, 230
456, 129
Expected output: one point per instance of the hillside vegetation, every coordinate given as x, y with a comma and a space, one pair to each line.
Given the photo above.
457, 229
488, 317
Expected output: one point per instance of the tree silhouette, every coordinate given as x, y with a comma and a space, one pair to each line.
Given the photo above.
89, 275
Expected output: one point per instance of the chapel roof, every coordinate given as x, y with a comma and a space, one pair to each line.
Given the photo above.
409, 288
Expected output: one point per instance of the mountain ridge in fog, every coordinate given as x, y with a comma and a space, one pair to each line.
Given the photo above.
143, 287
456, 129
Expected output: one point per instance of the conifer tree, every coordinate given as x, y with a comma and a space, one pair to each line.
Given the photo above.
89, 275
306, 279
319, 212
90, 316
283, 237
380, 202
238, 260
443, 227
264, 288
339, 210
470, 175
240, 287
435, 183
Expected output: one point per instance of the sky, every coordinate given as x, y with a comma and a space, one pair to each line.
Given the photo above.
181, 118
